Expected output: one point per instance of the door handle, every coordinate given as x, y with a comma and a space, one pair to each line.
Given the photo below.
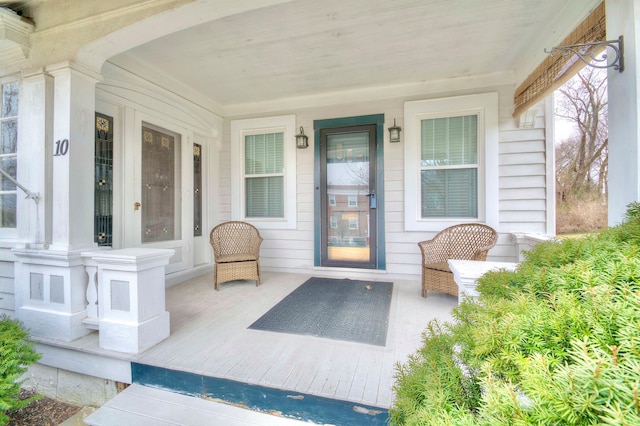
372, 200
136, 206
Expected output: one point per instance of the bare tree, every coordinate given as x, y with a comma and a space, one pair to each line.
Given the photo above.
582, 159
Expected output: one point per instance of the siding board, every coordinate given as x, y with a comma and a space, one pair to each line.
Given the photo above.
525, 170
521, 159
522, 135
522, 147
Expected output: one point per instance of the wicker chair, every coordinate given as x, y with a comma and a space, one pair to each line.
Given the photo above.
467, 241
236, 247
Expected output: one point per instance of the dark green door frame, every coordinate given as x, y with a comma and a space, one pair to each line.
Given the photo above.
318, 125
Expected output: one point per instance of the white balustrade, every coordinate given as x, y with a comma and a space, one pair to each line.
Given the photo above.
126, 292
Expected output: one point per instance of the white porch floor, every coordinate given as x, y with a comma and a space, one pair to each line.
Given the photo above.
209, 336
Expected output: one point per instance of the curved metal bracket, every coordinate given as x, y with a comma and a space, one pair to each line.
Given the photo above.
584, 51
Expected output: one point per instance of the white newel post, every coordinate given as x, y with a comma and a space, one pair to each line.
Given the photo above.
525, 241
467, 272
131, 298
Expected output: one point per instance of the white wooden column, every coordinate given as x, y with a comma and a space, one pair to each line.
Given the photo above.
57, 159
623, 19
73, 157
34, 160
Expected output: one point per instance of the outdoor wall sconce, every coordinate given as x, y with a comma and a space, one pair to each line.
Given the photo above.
394, 132
302, 141
584, 51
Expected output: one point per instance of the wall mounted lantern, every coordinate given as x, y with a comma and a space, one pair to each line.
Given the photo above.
394, 132
302, 141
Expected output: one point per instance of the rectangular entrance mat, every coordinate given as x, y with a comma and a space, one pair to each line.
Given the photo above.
341, 309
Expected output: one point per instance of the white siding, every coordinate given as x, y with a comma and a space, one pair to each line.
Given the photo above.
7, 290
522, 193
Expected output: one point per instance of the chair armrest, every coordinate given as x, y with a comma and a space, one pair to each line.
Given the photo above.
431, 252
482, 252
256, 242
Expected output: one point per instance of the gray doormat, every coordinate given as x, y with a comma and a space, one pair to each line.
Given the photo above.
352, 310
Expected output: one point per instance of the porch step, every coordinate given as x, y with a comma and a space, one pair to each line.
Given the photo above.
142, 405
290, 404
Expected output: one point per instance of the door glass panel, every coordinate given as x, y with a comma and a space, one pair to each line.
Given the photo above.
160, 183
103, 189
347, 177
197, 190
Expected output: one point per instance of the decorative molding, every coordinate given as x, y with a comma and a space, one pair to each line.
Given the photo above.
114, 14
15, 42
405, 91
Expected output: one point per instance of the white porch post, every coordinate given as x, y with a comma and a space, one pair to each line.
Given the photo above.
623, 18
58, 161
73, 169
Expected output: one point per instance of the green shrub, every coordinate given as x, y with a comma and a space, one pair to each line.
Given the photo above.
556, 342
16, 354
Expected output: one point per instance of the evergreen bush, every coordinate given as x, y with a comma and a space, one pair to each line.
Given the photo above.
16, 354
556, 342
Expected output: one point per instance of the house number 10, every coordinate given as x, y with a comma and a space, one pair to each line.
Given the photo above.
62, 147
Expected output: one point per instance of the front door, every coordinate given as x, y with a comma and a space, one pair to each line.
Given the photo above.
348, 196
159, 209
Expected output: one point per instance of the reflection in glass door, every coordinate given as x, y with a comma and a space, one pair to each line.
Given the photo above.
348, 197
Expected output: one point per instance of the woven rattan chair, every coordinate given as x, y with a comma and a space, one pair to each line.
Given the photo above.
467, 241
236, 247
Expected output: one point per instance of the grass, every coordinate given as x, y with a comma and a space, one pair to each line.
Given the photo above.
578, 218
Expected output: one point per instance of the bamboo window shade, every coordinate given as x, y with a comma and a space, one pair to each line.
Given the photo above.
556, 69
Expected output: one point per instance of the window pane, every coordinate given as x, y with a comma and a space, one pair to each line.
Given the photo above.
265, 196
264, 154
9, 165
8, 211
449, 193
449, 141
9, 100
9, 136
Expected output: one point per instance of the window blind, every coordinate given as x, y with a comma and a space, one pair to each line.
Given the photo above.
264, 175
449, 163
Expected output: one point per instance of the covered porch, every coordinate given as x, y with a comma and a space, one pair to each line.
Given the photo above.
210, 338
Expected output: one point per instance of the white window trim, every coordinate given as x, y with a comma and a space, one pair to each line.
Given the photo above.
352, 200
486, 106
287, 125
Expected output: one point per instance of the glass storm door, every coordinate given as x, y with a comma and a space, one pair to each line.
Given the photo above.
348, 196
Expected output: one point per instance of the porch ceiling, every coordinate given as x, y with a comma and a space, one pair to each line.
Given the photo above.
309, 47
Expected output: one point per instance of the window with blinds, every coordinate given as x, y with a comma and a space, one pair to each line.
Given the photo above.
449, 167
264, 175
